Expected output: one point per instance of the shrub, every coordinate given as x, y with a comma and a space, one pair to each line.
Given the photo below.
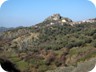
50, 58
22, 65
94, 36
79, 43
69, 45
88, 40
43, 68
94, 43
58, 63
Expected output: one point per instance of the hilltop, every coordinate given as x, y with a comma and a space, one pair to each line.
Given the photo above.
58, 19
54, 43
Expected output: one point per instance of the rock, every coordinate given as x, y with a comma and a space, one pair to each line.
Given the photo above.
58, 17
54, 17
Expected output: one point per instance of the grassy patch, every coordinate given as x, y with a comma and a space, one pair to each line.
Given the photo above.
22, 65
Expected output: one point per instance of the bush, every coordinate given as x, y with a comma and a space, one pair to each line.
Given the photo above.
43, 68
69, 45
94, 43
88, 40
79, 43
22, 65
94, 36
91, 32
58, 63
49, 58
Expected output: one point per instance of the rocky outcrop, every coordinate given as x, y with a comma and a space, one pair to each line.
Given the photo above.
58, 17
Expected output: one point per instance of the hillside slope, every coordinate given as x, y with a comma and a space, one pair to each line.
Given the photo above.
51, 44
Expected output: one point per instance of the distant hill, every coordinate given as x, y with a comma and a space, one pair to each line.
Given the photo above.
2, 29
54, 43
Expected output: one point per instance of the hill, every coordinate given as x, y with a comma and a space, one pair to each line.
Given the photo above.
56, 42
2, 29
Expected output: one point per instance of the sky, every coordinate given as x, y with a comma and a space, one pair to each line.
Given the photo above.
14, 13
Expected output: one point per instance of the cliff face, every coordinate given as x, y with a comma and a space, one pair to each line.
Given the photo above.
49, 45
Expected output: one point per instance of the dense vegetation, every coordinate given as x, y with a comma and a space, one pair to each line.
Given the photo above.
45, 47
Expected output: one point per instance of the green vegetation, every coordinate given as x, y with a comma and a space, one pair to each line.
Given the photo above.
22, 65
45, 47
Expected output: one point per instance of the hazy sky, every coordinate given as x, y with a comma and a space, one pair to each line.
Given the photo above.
15, 13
